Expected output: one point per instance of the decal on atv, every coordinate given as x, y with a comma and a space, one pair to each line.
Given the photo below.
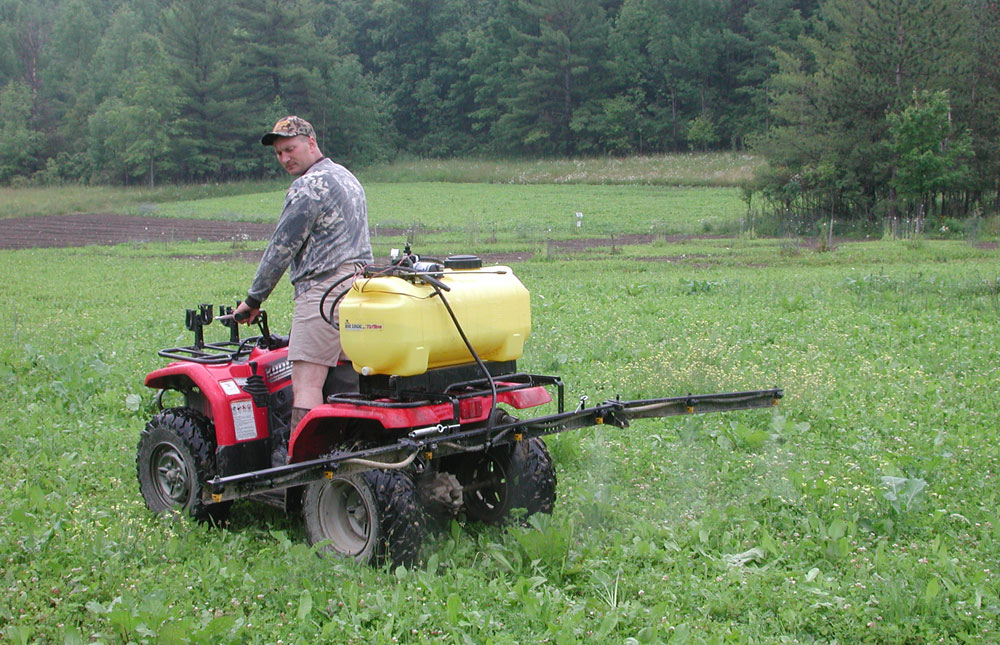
279, 371
243, 421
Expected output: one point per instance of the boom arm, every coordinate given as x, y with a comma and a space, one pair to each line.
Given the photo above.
441, 440
619, 413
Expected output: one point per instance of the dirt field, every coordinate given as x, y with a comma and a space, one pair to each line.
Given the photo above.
106, 229
103, 229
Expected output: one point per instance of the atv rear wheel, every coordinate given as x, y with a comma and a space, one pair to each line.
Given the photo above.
372, 517
173, 460
509, 477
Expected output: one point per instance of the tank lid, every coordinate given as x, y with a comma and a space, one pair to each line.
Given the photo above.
459, 262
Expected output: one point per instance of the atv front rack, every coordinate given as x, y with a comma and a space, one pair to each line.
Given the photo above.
220, 352
443, 440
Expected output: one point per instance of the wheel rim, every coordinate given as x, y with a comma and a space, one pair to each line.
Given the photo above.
345, 517
490, 485
171, 475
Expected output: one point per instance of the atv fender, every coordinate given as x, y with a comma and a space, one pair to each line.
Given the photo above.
333, 424
222, 401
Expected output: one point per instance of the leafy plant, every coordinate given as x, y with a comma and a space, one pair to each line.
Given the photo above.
882, 351
904, 493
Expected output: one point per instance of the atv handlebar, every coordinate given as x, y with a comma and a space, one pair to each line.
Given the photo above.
239, 317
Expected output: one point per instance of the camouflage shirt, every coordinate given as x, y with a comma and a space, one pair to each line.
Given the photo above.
323, 224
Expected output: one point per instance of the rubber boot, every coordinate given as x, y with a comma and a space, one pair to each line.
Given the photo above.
279, 445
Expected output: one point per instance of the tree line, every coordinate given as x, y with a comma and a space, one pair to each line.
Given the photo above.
863, 107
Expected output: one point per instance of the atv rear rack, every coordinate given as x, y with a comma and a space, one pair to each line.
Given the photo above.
442, 440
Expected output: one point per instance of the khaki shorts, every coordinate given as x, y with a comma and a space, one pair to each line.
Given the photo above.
313, 339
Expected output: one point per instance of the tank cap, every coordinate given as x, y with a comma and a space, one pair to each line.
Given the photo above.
459, 262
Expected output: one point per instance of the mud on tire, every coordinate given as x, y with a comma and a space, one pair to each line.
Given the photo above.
173, 460
508, 477
373, 517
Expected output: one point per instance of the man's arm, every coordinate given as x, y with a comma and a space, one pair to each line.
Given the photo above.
297, 218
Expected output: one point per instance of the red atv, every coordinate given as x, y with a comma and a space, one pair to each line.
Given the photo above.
412, 427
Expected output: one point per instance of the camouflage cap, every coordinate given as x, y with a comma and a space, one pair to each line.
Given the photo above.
288, 126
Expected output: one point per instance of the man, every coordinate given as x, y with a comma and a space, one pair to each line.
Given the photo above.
321, 237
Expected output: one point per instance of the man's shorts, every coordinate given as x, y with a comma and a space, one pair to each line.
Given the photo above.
313, 339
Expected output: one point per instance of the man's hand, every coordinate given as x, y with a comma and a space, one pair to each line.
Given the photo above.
244, 313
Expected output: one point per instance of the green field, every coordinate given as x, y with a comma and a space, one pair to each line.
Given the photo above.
509, 210
864, 508
717, 169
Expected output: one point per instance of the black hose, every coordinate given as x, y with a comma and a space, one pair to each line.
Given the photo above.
439, 289
479, 361
326, 294
386, 271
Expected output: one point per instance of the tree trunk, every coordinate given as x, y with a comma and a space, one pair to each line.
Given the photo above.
673, 114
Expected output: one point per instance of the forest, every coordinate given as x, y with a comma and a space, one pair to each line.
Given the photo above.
863, 108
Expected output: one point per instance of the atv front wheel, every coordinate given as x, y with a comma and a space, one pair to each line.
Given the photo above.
508, 477
372, 517
173, 460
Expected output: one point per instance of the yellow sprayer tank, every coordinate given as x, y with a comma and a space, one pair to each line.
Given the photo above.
397, 326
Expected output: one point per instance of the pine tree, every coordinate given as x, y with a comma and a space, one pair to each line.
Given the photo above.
981, 109
692, 64
212, 132
132, 132
830, 145
275, 42
67, 77
20, 142
420, 47
560, 68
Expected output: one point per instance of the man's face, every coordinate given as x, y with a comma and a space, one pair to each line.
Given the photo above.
296, 154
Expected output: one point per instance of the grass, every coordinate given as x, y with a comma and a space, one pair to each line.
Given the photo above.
864, 508
62, 200
262, 198
488, 211
692, 169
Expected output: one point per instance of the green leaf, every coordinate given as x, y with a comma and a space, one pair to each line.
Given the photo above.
836, 529
305, 605
607, 625
932, 589
454, 607
133, 402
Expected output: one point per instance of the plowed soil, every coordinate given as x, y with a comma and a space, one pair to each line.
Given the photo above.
106, 229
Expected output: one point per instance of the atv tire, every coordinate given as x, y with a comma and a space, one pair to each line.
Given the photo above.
508, 477
373, 517
173, 460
